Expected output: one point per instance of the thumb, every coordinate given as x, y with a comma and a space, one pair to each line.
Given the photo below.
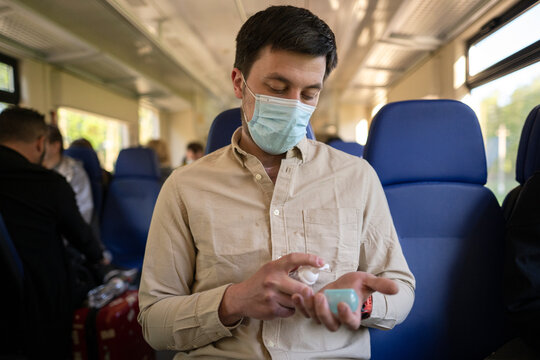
382, 285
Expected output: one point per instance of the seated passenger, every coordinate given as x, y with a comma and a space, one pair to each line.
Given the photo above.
39, 208
229, 229
522, 267
194, 151
106, 176
162, 151
71, 169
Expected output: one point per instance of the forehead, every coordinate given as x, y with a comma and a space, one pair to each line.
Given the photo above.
296, 67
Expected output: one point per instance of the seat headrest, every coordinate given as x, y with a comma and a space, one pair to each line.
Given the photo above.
350, 147
426, 140
222, 129
89, 159
225, 124
528, 156
137, 162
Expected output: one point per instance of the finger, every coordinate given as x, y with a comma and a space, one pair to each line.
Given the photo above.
299, 304
290, 286
347, 317
283, 311
382, 285
294, 260
309, 304
284, 300
324, 314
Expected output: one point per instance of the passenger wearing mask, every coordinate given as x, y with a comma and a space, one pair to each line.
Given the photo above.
39, 209
71, 169
194, 151
229, 230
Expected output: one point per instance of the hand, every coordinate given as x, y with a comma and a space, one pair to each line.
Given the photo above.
316, 307
267, 294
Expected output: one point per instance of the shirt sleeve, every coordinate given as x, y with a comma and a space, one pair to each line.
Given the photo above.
83, 192
172, 317
72, 226
382, 256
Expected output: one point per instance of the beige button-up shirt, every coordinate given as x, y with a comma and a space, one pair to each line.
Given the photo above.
218, 220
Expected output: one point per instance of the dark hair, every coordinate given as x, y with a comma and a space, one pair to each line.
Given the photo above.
21, 124
81, 143
285, 28
54, 135
195, 147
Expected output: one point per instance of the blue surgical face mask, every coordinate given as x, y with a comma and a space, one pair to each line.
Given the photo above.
278, 124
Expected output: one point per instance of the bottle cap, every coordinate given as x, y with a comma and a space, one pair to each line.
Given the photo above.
309, 275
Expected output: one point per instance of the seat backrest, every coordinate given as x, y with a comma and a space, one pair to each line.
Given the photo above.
10, 257
430, 158
93, 168
528, 158
350, 147
129, 205
225, 124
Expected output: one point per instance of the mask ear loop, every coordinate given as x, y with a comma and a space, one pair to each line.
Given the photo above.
251, 92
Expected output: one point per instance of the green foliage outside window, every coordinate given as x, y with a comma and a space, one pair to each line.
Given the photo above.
507, 118
107, 136
6, 77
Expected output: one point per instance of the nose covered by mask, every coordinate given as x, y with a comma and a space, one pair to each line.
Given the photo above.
278, 124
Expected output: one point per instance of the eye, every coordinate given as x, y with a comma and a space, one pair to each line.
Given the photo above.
311, 95
277, 90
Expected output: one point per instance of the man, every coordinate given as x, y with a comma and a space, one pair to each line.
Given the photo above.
228, 230
71, 169
39, 208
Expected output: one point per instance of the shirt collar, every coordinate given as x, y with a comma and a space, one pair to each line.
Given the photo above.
299, 151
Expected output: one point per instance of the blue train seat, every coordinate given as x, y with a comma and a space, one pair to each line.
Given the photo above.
528, 157
10, 258
223, 127
129, 206
350, 147
93, 168
429, 156
14, 322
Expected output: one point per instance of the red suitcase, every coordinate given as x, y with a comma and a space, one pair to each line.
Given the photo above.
116, 335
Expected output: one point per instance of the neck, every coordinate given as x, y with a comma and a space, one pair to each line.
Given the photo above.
271, 163
50, 161
22, 148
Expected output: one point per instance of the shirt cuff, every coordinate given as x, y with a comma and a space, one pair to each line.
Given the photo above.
207, 315
379, 313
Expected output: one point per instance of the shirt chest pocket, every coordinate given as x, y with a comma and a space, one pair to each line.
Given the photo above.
333, 234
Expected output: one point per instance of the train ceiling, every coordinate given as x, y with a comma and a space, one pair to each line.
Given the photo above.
170, 50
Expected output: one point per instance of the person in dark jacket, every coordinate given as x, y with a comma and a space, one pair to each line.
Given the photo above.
39, 208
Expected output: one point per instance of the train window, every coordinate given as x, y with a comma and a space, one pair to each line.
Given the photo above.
148, 124
108, 136
9, 84
503, 73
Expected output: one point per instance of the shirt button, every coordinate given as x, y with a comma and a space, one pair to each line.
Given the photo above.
258, 177
276, 212
270, 343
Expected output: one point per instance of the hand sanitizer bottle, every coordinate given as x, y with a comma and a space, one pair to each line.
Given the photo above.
308, 274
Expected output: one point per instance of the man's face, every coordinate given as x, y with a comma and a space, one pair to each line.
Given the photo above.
52, 151
283, 74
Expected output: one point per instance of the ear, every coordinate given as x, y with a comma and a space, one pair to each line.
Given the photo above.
40, 144
236, 78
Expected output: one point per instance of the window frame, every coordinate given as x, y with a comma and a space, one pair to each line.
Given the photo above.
523, 58
15, 96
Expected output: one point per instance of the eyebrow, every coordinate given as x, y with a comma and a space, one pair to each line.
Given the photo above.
279, 77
